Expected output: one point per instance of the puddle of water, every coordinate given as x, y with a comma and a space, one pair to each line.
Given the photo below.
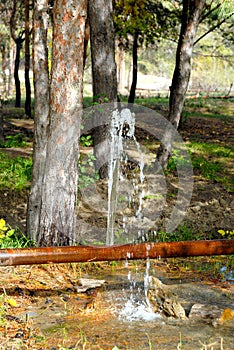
121, 317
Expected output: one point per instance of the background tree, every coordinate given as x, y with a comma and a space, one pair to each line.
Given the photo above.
7, 45
143, 23
56, 219
192, 15
18, 35
192, 11
27, 60
104, 77
41, 113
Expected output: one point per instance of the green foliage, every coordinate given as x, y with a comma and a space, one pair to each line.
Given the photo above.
14, 141
87, 174
182, 233
15, 173
86, 141
150, 20
226, 233
207, 168
177, 161
13, 238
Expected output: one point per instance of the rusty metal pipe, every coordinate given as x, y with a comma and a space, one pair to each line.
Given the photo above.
30, 256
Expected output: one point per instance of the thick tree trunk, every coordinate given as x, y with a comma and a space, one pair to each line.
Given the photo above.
27, 62
192, 11
41, 114
59, 186
132, 94
103, 69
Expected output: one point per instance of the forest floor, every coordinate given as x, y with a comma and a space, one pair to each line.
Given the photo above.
210, 135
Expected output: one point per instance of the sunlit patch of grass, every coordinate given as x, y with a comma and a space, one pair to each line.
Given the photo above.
213, 162
211, 149
15, 173
17, 140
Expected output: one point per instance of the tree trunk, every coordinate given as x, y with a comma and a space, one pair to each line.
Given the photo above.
192, 11
57, 222
41, 114
4, 79
18, 42
27, 62
103, 69
11, 67
120, 60
132, 94
1, 123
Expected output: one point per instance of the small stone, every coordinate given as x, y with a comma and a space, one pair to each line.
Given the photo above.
196, 208
211, 314
85, 284
163, 300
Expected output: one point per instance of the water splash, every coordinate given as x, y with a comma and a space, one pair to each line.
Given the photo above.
137, 306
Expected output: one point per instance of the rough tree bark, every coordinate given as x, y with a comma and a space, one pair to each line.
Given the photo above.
41, 113
132, 94
27, 61
57, 219
104, 76
192, 11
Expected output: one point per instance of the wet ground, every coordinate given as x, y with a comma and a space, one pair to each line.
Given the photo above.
40, 307
51, 314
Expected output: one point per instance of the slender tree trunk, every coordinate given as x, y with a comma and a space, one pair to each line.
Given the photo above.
192, 11
18, 42
41, 114
1, 123
27, 62
4, 79
11, 67
120, 68
132, 94
103, 70
59, 186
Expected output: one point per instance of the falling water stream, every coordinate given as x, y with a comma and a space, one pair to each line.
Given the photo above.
122, 129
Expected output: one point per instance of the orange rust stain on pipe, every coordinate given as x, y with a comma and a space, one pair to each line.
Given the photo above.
45, 255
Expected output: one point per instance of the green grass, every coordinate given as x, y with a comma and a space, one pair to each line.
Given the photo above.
17, 140
210, 161
182, 233
15, 173
13, 238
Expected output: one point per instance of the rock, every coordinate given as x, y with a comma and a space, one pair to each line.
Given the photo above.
85, 284
210, 314
163, 301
